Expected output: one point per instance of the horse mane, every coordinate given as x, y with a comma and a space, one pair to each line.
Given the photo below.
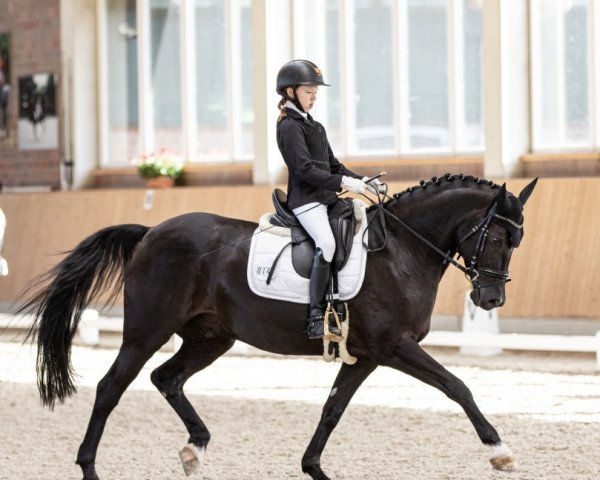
448, 179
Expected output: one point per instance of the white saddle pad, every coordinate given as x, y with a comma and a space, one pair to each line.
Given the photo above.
286, 284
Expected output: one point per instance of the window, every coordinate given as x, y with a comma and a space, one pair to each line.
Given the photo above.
122, 129
212, 106
406, 75
564, 72
317, 38
469, 81
165, 75
178, 74
370, 80
225, 114
426, 91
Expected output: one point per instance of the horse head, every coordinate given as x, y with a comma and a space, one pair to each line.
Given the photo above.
487, 247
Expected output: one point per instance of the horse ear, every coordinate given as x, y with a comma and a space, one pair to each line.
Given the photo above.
526, 192
502, 201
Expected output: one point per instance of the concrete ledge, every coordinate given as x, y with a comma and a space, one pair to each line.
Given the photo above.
515, 341
542, 326
107, 332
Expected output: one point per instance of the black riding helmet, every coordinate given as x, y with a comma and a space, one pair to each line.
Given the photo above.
298, 72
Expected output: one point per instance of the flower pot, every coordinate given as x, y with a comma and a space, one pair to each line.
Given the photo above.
160, 182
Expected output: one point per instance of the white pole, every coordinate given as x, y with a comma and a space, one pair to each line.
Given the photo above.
89, 331
478, 321
598, 350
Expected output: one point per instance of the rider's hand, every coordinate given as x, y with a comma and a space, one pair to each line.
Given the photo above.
354, 185
375, 186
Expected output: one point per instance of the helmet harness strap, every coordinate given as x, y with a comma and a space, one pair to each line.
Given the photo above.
294, 98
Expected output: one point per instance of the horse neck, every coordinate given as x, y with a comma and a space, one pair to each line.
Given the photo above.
438, 211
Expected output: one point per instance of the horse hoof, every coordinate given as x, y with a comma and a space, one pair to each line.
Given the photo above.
190, 457
504, 464
315, 472
502, 458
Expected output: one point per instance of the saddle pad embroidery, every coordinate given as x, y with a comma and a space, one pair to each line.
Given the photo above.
286, 284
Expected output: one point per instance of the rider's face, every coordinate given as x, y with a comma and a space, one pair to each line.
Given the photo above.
306, 95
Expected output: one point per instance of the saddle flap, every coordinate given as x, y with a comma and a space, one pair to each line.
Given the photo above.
302, 255
343, 225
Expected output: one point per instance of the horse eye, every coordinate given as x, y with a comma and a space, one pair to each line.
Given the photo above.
497, 241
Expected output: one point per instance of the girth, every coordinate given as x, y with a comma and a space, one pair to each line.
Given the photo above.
342, 221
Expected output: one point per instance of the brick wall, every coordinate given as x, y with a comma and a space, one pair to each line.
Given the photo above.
34, 27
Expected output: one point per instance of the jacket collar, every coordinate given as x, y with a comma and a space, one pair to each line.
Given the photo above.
296, 116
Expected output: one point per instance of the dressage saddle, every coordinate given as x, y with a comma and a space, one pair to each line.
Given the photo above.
343, 224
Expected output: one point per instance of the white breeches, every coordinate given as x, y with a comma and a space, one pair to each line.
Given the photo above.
313, 217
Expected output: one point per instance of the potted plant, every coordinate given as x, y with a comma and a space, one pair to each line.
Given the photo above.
159, 169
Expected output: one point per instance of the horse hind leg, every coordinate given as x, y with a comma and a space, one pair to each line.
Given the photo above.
127, 365
194, 355
411, 359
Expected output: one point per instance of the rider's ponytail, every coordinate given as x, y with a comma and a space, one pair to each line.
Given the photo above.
281, 107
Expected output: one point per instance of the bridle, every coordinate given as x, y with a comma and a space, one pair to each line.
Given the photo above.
474, 269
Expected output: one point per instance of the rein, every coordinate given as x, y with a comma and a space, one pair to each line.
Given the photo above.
474, 270
445, 255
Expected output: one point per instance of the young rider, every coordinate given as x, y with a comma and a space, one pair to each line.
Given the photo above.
314, 174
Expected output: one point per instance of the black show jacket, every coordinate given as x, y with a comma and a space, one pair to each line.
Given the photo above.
314, 172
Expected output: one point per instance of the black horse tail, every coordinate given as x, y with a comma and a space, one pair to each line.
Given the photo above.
89, 270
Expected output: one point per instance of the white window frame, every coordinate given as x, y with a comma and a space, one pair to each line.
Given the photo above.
593, 40
299, 44
456, 126
102, 61
234, 79
594, 62
188, 87
145, 95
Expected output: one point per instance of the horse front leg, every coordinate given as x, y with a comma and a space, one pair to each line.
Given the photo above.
410, 358
349, 378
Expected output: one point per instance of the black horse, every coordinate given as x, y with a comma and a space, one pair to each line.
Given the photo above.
37, 102
187, 276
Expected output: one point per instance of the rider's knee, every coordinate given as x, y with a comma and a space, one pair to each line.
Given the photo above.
327, 246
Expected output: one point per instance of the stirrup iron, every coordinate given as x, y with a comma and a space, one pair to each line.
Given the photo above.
327, 335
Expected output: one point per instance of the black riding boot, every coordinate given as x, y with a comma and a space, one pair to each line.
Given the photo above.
319, 279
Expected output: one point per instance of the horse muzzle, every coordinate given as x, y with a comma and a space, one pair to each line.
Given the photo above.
488, 298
